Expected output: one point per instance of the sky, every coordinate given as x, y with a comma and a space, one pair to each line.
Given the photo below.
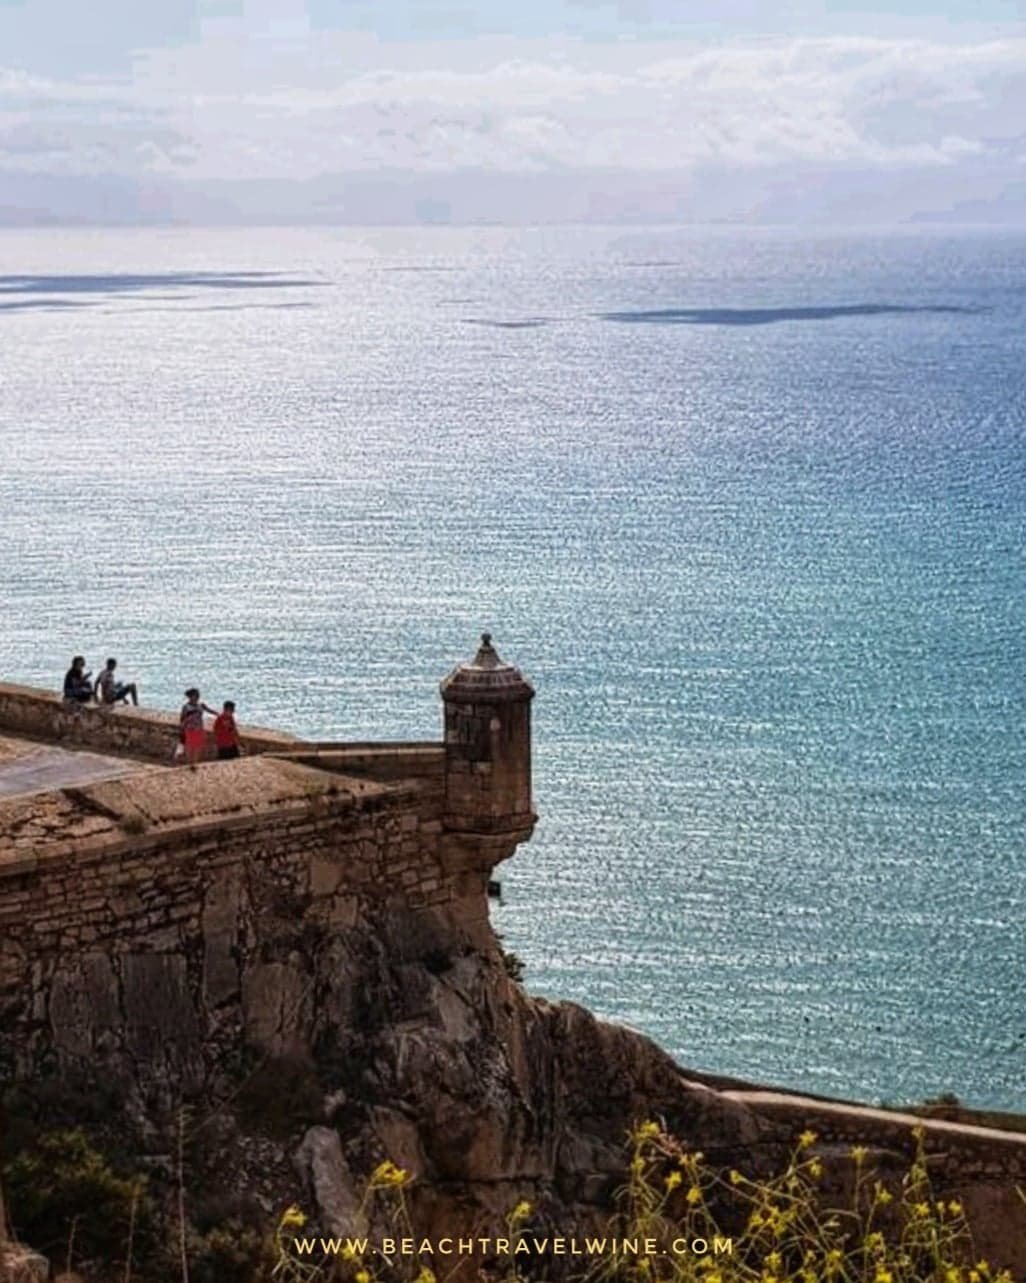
383, 111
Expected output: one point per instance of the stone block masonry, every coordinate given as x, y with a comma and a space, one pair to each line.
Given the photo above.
153, 949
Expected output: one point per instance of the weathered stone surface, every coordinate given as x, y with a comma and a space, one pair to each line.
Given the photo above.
324, 1171
275, 1004
161, 1027
83, 1003
222, 915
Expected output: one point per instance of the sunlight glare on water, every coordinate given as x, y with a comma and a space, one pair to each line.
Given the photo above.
747, 507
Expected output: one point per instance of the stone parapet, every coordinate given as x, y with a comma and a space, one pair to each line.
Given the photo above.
417, 760
119, 729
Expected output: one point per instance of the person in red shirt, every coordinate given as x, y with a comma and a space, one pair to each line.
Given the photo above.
226, 732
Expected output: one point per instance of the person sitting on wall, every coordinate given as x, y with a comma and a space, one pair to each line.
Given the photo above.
194, 736
78, 689
109, 690
226, 732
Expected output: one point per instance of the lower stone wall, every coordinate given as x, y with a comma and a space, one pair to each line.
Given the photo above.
384, 762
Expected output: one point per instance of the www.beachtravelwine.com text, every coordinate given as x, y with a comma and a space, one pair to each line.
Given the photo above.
521, 1245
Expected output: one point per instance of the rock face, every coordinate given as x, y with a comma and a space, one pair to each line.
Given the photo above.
450, 1070
315, 1027
432, 1057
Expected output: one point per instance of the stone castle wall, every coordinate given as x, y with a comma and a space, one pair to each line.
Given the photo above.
174, 910
168, 950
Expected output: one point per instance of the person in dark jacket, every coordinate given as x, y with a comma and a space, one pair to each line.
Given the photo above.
78, 689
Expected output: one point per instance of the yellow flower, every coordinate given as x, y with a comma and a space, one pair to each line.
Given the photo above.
362, 1276
293, 1218
673, 1180
882, 1195
387, 1173
816, 1169
773, 1261
883, 1276
921, 1210
735, 1177
859, 1153
425, 1275
521, 1212
648, 1131
806, 1139
956, 1208
694, 1195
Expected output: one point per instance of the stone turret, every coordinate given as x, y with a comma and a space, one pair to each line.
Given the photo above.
488, 748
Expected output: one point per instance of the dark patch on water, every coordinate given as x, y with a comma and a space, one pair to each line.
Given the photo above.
772, 315
40, 305
50, 291
227, 307
129, 282
528, 323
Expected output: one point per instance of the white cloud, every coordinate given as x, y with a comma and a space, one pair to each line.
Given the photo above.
237, 107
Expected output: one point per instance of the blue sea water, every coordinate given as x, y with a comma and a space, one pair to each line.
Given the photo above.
747, 506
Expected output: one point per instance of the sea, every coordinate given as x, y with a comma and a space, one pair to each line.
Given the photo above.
747, 506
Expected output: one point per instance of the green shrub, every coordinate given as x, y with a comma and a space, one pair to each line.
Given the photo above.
67, 1201
231, 1253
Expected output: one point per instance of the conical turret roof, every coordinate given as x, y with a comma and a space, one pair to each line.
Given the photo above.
486, 677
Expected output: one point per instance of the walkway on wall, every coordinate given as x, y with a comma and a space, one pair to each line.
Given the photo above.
37, 768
